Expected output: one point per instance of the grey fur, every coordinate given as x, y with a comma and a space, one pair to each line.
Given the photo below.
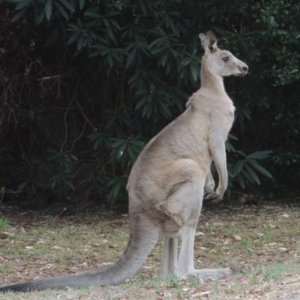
166, 183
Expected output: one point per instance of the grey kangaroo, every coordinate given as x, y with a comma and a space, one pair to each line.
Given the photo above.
167, 182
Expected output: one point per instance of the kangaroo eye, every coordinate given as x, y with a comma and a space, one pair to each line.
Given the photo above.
226, 58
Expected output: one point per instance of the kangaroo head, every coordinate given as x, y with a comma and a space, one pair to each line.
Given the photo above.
220, 62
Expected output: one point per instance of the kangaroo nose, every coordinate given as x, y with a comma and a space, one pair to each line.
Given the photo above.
245, 69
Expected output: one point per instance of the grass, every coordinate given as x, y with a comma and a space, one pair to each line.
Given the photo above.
263, 244
278, 271
3, 224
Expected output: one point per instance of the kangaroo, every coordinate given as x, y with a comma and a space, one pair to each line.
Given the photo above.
166, 184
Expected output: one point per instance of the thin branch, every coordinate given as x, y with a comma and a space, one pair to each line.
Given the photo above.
65, 117
47, 77
78, 136
87, 120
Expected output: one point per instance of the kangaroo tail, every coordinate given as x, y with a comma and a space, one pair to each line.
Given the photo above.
143, 237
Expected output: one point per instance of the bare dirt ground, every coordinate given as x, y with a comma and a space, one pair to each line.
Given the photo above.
261, 241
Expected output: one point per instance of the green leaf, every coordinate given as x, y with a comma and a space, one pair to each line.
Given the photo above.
232, 137
23, 4
141, 102
121, 150
92, 14
48, 9
252, 173
229, 146
69, 183
110, 60
241, 153
74, 37
81, 4
68, 5
134, 78
241, 181
115, 190
62, 11
130, 58
260, 154
53, 183
139, 144
39, 15
185, 61
164, 58
238, 167
262, 170
158, 50
118, 142
115, 24
156, 41
116, 185
80, 42
23, 185
130, 152
247, 176
73, 27
143, 7
194, 71
19, 14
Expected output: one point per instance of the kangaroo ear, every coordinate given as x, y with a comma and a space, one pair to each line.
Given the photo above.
209, 42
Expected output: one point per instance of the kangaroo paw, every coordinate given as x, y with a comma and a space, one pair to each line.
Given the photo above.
212, 273
211, 197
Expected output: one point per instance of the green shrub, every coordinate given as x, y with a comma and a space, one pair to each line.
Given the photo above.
100, 78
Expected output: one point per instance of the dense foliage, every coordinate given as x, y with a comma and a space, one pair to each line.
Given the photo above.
85, 84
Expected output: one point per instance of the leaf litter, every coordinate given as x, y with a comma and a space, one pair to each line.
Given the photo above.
261, 243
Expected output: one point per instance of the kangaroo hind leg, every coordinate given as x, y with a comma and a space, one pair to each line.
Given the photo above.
169, 257
181, 208
186, 259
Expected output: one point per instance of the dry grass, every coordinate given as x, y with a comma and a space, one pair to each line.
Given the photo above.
263, 242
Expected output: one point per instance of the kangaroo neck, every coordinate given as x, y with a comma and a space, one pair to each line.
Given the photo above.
210, 81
